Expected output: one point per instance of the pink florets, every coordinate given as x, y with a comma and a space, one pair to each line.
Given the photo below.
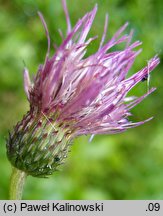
89, 92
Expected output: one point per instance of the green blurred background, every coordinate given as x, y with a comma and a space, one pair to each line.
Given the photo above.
123, 166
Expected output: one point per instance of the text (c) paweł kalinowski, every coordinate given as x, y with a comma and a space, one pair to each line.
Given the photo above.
61, 207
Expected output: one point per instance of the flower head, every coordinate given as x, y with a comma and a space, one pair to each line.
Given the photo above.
73, 95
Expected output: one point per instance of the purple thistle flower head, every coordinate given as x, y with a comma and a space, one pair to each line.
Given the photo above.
73, 95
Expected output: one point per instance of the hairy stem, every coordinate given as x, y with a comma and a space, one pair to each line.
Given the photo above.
16, 184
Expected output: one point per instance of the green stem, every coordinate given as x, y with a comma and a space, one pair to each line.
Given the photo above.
16, 184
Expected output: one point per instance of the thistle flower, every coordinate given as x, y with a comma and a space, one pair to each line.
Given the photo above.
73, 95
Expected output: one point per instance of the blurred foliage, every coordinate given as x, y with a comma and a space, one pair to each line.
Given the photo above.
123, 166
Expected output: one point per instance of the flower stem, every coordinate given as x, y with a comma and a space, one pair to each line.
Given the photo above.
16, 184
